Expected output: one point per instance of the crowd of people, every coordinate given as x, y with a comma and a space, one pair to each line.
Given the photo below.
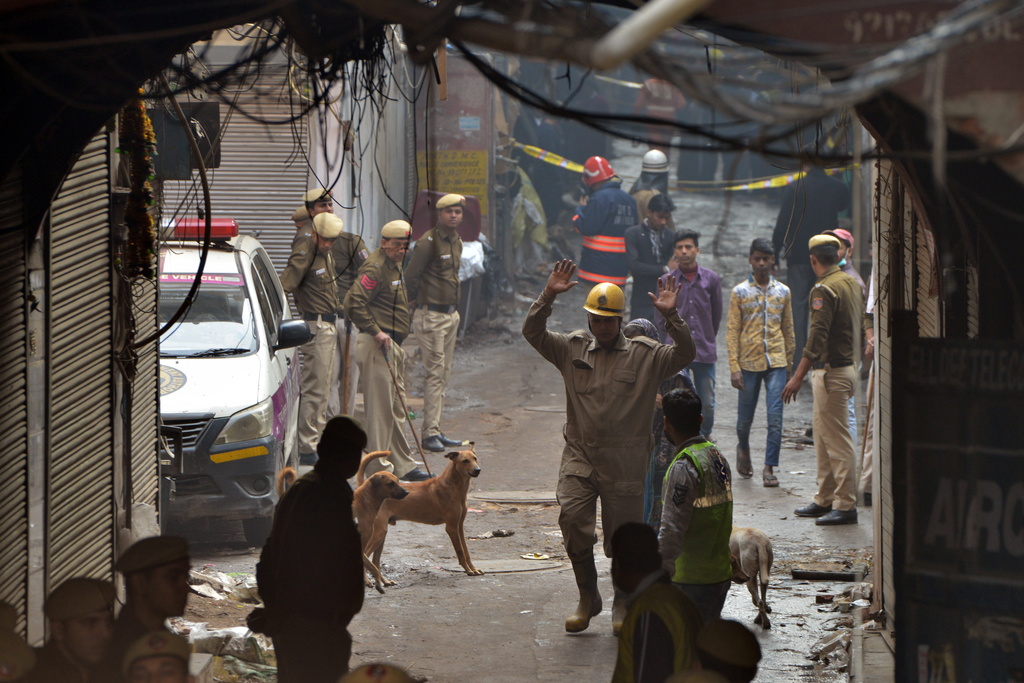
638, 435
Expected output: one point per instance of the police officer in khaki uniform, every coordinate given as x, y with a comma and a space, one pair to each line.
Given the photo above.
836, 307
155, 573
433, 281
378, 307
311, 279
609, 383
81, 614
349, 253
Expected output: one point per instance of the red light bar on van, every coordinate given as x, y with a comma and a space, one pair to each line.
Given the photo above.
195, 228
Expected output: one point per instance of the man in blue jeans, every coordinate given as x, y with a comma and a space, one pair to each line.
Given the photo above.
700, 305
759, 339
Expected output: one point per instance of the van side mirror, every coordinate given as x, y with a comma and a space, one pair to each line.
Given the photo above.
292, 333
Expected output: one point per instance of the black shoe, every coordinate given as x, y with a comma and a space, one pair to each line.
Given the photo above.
813, 510
416, 474
866, 498
308, 459
433, 444
451, 443
837, 517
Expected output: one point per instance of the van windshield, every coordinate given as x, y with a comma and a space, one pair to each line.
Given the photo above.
219, 323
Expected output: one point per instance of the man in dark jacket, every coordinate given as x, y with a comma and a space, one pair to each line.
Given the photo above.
811, 205
649, 254
310, 572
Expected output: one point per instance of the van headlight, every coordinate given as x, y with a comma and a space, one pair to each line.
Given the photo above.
249, 424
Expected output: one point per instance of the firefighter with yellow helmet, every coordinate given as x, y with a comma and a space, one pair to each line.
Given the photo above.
610, 382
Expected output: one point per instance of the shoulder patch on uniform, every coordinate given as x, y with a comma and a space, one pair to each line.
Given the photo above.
679, 494
367, 283
363, 254
816, 303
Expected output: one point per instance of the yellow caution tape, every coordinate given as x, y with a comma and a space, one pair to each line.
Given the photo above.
549, 157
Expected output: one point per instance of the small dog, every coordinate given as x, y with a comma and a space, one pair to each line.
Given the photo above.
441, 500
752, 558
369, 494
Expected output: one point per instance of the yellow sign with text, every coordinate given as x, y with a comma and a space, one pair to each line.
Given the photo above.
463, 171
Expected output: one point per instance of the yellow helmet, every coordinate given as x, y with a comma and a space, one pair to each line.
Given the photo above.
606, 299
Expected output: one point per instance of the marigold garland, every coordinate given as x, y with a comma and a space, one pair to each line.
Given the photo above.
138, 142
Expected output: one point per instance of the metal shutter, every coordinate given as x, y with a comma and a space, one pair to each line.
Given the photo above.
145, 403
80, 505
14, 351
263, 170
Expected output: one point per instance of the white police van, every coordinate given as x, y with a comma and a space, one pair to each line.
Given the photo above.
229, 380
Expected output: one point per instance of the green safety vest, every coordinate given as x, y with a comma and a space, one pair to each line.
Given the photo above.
680, 617
705, 556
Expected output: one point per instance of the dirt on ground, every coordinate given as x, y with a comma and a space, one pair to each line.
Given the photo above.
507, 625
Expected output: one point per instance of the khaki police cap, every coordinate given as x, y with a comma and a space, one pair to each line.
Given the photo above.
152, 552
450, 200
8, 616
730, 642
16, 658
328, 226
396, 229
156, 644
824, 241
300, 214
315, 195
79, 597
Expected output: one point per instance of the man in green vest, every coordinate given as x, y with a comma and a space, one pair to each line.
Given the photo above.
696, 520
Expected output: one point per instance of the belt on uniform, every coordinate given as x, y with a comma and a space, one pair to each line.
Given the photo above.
438, 308
832, 364
321, 317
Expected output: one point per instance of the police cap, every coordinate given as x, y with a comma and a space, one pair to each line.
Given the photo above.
156, 644
396, 230
328, 226
824, 241
152, 552
79, 597
450, 200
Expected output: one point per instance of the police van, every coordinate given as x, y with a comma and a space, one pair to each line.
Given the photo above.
229, 380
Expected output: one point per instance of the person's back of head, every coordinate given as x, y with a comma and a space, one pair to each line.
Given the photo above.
682, 411
341, 444
635, 548
730, 648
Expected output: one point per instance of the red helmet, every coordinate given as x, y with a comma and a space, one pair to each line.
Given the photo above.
596, 170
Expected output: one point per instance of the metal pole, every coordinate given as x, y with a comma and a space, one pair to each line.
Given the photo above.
401, 398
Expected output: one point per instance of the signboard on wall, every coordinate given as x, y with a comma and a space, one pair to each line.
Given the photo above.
960, 584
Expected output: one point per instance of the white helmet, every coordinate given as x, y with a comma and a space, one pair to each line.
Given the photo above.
655, 161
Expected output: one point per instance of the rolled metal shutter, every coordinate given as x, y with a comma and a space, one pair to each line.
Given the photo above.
14, 350
145, 403
80, 505
263, 171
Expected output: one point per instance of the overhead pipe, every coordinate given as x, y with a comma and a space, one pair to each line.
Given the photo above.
633, 35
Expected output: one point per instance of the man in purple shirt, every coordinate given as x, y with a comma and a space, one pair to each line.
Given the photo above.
700, 305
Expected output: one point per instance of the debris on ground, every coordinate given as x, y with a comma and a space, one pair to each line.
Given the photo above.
211, 583
833, 651
497, 533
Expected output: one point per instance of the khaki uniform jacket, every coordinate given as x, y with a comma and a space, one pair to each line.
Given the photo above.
609, 393
433, 272
349, 253
837, 309
377, 300
310, 276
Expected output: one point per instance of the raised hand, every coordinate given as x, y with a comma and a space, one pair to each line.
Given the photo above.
668, 293
560, 280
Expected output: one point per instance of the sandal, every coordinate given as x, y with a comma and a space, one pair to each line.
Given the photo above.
743, 466
770, 480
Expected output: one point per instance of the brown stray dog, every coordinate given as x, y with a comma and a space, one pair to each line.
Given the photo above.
284, 480
369, 494
441, 500
752, 557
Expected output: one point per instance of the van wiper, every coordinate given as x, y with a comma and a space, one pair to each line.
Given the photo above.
218, 352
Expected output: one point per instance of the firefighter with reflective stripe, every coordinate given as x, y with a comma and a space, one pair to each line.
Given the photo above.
602, 218
697, 518
609, 383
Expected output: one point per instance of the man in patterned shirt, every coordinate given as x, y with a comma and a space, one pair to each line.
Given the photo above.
760, 342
